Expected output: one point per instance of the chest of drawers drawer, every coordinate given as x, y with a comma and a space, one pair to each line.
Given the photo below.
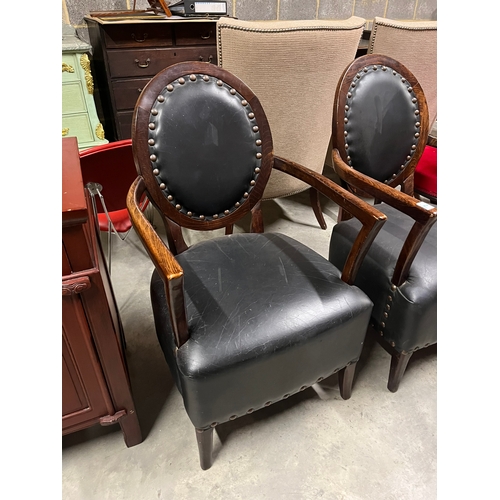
136, 63
137, 35
127, 54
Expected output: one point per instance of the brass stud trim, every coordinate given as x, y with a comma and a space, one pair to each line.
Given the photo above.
258, 142
244, 102
178, 207
192, 77
202, 217
219, 83
153, 157
251, 116
160, 98
154, 112
189, 214
151, 126
259, 155
170, 87
170, 197
226, 212
151, 142
182, 81
232, 92
162, 186
252, 183
156, 171
255, 128
257, 170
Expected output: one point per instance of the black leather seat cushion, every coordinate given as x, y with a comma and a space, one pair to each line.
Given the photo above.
411, 321
267, 316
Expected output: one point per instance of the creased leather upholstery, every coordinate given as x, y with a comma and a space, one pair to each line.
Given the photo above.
411, 321
285, 329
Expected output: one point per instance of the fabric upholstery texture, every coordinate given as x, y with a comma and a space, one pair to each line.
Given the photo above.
267, 318
426, 173
293, 67
410, 321
414, 44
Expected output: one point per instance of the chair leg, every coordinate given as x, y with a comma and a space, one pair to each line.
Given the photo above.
257, 224
399, 362
204, 437
346, 377
316, 206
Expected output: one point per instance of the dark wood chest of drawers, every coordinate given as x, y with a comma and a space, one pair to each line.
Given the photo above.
126, 54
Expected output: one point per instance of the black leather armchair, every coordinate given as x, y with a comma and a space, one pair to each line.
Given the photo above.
244, 320
380, 128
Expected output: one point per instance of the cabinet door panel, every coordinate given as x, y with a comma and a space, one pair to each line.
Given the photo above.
85, 396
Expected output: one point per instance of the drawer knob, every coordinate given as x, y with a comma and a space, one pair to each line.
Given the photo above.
210, 57
144, 65
144, 36
207, 36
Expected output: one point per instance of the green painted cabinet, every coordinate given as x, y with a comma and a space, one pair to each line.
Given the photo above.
79, 115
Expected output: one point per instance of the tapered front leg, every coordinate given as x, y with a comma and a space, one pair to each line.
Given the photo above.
346, 377
204, 437
316, 206
399, 362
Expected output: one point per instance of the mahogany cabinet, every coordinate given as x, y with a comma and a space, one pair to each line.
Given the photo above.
95, 381
127, 53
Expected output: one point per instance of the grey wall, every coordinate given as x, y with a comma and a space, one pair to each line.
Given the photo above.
74, 10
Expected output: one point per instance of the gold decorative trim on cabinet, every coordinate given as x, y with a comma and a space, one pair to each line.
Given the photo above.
99, 131
65, 131
66, 67
85, 64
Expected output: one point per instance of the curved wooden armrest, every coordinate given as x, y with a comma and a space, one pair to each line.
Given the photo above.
163, 259
371, 219
424, 214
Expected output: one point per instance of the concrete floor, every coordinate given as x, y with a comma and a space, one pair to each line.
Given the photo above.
314, 445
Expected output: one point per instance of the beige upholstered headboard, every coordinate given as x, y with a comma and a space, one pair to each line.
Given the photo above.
293, 67
414, 44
